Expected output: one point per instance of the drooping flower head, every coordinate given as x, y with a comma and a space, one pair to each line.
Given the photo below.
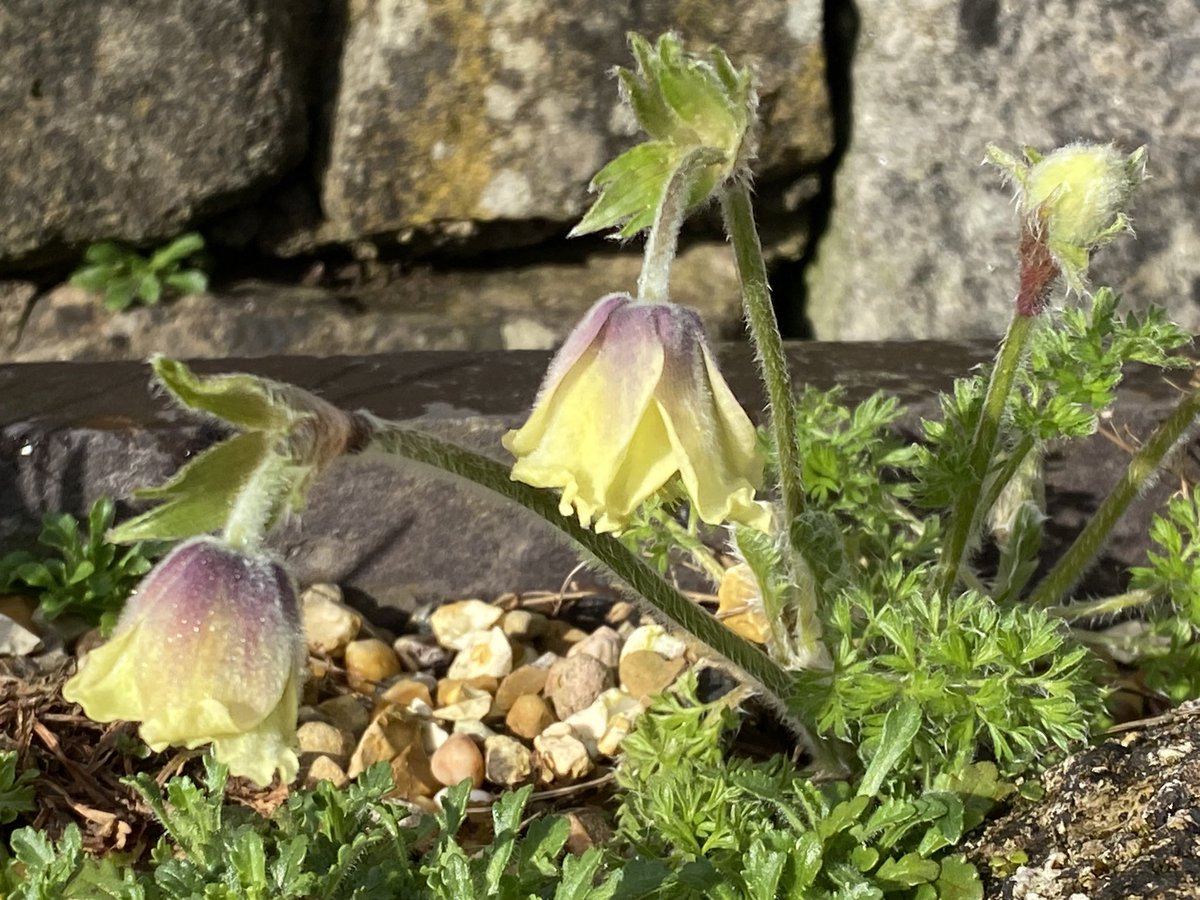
209, 649
633, 399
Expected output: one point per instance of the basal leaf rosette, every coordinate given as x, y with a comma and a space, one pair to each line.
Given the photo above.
632, 400
210, 649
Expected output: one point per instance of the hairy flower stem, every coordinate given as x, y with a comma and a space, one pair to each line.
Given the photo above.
781, 408
1103, 608
655, 279
250, 515
396, 442
1142, 467
966, 513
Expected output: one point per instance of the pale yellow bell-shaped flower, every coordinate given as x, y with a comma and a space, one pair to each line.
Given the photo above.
633, 399
210, 649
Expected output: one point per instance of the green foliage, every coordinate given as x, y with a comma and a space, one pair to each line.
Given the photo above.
707, 826
855, 472
981, 678
1168, 652
323, 844
126, 277
1077, 360
16, 788
87, 576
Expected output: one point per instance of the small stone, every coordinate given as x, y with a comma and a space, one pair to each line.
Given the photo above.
523, 625
450, 690
619, 612
472, 703
473, 728
546, 660
309, 713
507, 762
589, 828
325, 739
591, 724
561, 636
88, 641
322, 768
653, 637
619, 727
433, 735
370, 661
412, 774
457, 759
562, 756
574, 683
523, 654
454, 623
740, 604
329, 624
347, 712
403, 692
477, 797
604, 643
483, 653
385, 738
529, 716
645, 673
421, 654
525, 680
20, 608
16, 639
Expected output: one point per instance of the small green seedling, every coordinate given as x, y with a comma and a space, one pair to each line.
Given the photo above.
125, 277
85, 575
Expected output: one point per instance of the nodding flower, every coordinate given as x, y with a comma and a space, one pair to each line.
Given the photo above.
210, 649
633, 400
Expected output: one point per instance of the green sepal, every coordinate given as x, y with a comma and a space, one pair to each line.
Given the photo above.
198, 499
630, 188
242, 400
687, 106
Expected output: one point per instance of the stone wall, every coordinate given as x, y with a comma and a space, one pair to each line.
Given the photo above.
396, 132
921, 239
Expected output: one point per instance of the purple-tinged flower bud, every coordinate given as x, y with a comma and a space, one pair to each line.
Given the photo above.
209, 649
633, 399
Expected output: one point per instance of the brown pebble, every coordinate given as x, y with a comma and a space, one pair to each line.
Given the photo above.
525, 680
370, 661
325, 739
325, 769
507, 762
402, 693
589, 828
347, 712
20, 607
604, 643
529, 716
456, 759
419, 654
574, 683
450, 690
645, 673
559, 636
619, 612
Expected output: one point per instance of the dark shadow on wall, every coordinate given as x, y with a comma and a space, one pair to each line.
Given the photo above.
840, 36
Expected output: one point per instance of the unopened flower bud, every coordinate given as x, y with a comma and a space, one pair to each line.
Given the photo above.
1071, 201
210, 649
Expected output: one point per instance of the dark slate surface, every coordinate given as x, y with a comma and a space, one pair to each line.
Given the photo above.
70, 432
